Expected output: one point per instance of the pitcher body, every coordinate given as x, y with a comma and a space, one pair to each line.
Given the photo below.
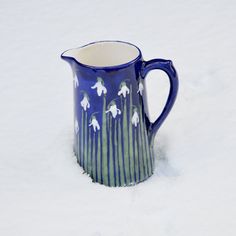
113, 137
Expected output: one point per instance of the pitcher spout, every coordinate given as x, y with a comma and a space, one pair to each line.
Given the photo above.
69, 56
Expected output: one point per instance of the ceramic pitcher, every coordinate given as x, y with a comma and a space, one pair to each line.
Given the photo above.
113, 137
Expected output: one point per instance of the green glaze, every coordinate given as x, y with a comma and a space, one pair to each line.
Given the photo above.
136, 155
131, 152
85, 142
126, 143
93, 158
82, 139
116, 154
104, 143
148, 152
89, 152
120, 159
146, 148
152, 149
141, 154
111, 164
76, 149
99, 174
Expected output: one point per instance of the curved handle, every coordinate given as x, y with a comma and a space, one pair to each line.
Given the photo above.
167, 66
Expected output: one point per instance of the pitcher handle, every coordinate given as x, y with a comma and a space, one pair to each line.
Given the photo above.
166, 66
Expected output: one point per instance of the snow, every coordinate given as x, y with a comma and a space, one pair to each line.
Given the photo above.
43, 190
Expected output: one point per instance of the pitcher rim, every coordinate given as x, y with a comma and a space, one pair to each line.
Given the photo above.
119, 66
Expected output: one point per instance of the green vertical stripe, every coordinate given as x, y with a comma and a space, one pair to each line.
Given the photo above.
141, 154
126, 146
99, 158
131, 152
85, 142
152, 150
82, 140
147, 150
116, 154
120, 159
89, 152
121, 103
111, 164
77, 147
148, 146
144, 143
93, 159
104, 144
136, 155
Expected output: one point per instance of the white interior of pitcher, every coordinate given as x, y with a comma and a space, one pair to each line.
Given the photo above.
104, 53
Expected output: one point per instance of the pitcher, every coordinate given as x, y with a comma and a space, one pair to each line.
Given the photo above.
113, 137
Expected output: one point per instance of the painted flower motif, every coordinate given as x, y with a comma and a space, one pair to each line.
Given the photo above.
140, 88
76, 127
94, 123
100, 87
76, 81
85, 102
135, 118
124, 90
113, 109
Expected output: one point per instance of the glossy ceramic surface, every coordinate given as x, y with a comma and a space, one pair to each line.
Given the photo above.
113, 137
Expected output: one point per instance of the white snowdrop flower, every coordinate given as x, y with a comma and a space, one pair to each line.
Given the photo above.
123, 89
76, 81
85, 103
100, 87
76, 127
135, 118
113, 109
95, 124
140, 88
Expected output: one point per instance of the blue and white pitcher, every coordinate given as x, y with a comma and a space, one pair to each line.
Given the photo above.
113, 137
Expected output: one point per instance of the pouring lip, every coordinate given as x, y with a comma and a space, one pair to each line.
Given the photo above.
119, 66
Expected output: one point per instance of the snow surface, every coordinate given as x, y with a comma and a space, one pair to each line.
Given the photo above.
43, 190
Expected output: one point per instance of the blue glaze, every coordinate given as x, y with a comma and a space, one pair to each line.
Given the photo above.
113, 136
167, 66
